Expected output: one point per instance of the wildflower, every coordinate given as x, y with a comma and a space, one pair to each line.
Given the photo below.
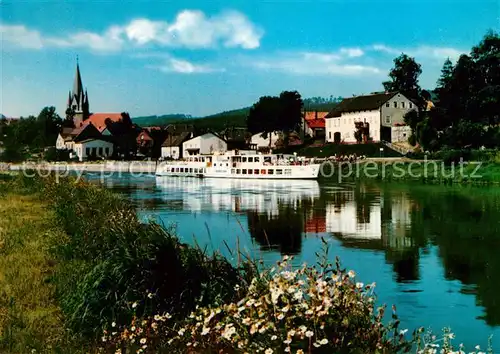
403, 332
359, 285
150, 295
134, 305
181, 331
281, 316
103, 339
298, 295
351, 274
478, 347
300, 351
324, 341
205, 331
143, 340
274, 337
309, 334
113, 324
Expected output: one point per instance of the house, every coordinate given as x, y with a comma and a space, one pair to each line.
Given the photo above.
313, 124
384, 113
172, 146
237, 139
207, 143
69, 136
93, 149
261, 143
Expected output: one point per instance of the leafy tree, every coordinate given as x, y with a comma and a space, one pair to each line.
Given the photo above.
404, 78
276, 114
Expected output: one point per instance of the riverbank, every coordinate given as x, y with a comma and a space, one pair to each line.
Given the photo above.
120, 283
147, 167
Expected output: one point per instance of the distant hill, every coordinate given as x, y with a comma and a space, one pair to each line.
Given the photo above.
226, 119
163, 120
2, 116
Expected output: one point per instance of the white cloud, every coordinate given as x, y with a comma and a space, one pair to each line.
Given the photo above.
317, 63
190, 29
181, 66
422, 52
20, 36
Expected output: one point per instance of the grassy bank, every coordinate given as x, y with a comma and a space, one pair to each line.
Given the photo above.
30, 317
433, 172
90, 277
327, 150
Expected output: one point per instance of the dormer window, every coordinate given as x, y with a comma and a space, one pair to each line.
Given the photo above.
395, 104
402, 105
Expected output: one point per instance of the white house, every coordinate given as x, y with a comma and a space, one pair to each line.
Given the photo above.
260, 142
204, 144
92, 148
382, 111
172, 146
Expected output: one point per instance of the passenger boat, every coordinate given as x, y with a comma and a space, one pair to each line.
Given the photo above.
242, 165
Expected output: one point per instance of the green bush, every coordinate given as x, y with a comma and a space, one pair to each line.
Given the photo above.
53, 154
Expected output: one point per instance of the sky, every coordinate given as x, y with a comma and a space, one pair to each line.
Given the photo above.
201, 57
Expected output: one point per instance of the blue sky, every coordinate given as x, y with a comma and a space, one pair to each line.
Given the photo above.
201, 57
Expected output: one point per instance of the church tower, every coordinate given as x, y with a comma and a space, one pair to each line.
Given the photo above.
78, 101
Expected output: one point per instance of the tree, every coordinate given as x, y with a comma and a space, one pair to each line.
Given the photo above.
404, 78
276, 114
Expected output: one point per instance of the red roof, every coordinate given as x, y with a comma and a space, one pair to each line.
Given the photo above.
99, 119
315, 119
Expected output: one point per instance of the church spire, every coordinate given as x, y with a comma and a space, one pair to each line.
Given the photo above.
78, 99
77, 84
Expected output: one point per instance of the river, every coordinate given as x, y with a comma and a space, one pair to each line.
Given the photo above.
433, 251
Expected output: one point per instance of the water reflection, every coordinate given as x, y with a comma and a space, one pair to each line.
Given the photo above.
432, 250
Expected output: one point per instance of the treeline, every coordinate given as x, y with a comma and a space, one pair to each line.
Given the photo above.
27, 135
466, 112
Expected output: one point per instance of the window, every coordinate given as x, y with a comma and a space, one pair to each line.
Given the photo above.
244, 159
402, 105
232, 171
329, 135
256, 159
250, 171
107, 151
411, 105
190, 170
100, 151
288, 171
256, 172
238, 171
87, 151
388, 119
270, 172
387, 104
250, 159
244, 171
279, 172
395, 104
182, 169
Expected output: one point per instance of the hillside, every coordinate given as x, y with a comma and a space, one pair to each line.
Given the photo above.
231, 118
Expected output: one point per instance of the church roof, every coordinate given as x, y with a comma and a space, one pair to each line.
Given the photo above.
99, 119
77, 84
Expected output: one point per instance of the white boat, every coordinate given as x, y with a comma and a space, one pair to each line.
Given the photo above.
242, 165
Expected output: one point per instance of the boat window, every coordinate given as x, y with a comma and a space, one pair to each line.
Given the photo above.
244, 171
250, 159
256, 159
238, 171
177, 169
256, 172
270, 171
215, 164
288, 171
279, 172
232, 171
267, 159
182, 169
250, 171
263, 172
190, 170
244, 159
195, 159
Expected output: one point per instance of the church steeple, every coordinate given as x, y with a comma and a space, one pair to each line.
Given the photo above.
78, 100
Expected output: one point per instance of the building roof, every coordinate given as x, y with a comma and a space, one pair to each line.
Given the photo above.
99, 119
92, 139
315, 120
176, 140
361, 103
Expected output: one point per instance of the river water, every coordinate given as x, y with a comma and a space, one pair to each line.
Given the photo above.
433, 251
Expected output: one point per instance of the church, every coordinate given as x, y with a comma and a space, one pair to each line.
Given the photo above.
93, 136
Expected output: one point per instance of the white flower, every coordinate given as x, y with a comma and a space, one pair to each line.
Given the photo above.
403, 332
298, 295
113, 324
143, 340
477, 347
205, 331
274, 337
351, 274
309, 334
323, 341
150, 295
181, 331
269, 351
281, 316
134, 305
359, 285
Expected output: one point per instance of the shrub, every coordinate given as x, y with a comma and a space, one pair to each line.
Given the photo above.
53, 154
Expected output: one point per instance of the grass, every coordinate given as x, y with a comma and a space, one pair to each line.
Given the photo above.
29, 315
327, 150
